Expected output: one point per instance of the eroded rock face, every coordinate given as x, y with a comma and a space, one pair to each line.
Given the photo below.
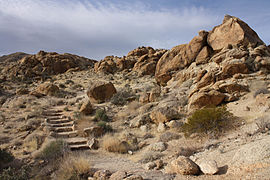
142, 60
101, 91
179, 57
232, 31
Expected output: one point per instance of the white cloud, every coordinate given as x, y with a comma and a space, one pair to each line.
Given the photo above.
95, 30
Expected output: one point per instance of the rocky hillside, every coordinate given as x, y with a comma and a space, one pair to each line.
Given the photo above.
197, 111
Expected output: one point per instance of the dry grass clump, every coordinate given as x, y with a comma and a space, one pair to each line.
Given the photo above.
33, 142
52, 149
74, 166
113, 144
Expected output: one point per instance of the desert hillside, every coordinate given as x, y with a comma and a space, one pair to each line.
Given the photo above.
197, 111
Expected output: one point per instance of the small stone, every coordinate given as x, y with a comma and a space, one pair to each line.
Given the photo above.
160, 146
182, 165
93, 143
134, 177
149, 166
208, 167
130, 152
161, 127
102, 174
118, 175
144, 128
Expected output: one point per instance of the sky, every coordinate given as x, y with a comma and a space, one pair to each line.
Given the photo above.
98, 28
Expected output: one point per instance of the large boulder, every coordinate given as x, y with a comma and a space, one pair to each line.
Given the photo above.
202, 99
183, 165
179, 57
232, 31
101, 91
48, 89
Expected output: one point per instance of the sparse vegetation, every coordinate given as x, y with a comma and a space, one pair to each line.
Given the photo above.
122, 96
74, 166
15, 174
208, 121
105, 126
261, 91
113, 144
54, 150
5, 157
101, 115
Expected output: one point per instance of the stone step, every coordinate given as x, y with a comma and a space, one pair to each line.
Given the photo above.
59, 121
66, 134
79, 147
68, 124
63, 129
76, 141
55, 118
51, 114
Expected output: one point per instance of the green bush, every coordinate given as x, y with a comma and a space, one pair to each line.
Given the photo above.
105, 126
101, 115
5, 157
208, 121
55, 149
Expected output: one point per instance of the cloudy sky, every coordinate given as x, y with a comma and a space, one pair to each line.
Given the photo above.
97, 28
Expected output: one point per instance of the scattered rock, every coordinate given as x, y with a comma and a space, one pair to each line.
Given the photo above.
93, 144
149, 166
183, 165
161, 127
102, 174
208, 166
47, 89
118, 175
86, 108
101, 91
159, 146
134, 177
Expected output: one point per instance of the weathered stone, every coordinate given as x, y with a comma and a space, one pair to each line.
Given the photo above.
149, 166
93, 144
154, 94
118, 175
134, 177
159, 146
202, 99
183, 165
101, 91
204, 55
22, 91
95, 131
163, 115
102, 175
48, 89
179, 57
144, 97
232, 31
86, 108
208, 166
161, 127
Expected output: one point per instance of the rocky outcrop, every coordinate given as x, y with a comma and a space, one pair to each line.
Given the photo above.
47, 63
232, 31
47, 89
142, 60
101, 91
180, 57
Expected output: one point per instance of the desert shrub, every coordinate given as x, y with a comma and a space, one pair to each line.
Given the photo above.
101, 115
261, 91
208, 121
74, 166
106, 127
113, 144
5, 157
54, 149
122, 96
15, 174
77, 115
263, 124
